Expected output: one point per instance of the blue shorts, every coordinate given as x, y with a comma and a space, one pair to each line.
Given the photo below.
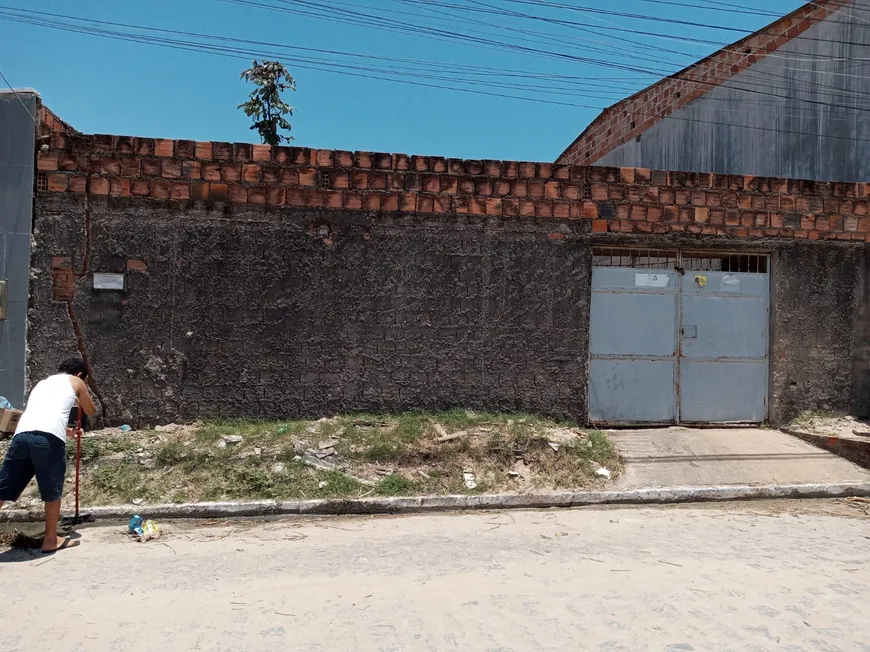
33, 454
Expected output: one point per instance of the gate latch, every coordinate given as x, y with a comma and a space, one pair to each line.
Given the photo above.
690, 332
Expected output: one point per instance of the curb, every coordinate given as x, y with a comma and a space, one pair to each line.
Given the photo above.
650, 496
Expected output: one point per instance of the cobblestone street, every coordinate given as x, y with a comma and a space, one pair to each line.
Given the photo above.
761, 576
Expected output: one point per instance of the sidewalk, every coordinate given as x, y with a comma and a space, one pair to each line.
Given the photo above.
667, 457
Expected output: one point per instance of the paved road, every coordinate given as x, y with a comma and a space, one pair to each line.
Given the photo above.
759, 576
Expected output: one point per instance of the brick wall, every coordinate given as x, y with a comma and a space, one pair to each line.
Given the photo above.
595, 199
631, 117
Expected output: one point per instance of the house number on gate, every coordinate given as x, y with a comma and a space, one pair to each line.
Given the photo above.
652, 280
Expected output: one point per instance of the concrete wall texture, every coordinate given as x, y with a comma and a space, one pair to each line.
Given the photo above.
277, 282
17, 153
789, 101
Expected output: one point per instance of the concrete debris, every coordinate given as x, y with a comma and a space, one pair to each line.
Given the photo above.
470, 480
258, 451
554, 445
316, 463
325, 453
221, 443
328, 443
298, 447
170, 428
278, 467
455, 435
232, 440
561, 435
384, 471
311, 430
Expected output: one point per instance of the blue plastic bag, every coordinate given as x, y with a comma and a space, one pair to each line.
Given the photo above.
5, 404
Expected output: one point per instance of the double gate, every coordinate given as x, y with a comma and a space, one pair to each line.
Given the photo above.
678, 337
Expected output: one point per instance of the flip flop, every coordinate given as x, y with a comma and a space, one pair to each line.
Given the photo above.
67, 543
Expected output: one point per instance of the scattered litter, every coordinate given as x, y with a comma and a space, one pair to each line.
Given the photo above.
561, 435
513, 474
439, 429
329, 443
861, 433
258, 451
604, 473
278, 467
138, 501
455, 435
470, 481
171, 427
384, 471
322, 484
423, 474
554, 446
5, 404
142, 529
670, 563
125, 428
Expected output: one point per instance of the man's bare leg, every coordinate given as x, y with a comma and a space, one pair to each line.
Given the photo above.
52, 516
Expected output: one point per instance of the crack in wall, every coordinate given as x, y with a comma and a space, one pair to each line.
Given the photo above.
70, 307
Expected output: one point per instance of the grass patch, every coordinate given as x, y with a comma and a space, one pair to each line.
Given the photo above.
504, 452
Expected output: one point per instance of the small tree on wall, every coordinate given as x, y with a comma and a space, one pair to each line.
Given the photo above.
266, 107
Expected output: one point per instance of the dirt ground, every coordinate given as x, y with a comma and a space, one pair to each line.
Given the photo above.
781, 575
816, 423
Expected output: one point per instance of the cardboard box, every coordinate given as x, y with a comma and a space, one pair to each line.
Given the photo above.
9, 419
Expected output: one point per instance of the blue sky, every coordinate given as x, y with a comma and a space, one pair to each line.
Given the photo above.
103, 85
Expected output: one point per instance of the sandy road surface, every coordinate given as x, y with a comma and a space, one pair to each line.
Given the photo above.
785, 576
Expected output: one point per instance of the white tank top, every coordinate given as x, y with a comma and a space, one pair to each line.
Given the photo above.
49, 406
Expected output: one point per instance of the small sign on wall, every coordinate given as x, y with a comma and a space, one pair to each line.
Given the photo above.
109, 281
652, 280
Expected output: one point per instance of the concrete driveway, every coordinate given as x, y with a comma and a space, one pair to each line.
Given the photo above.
667, 457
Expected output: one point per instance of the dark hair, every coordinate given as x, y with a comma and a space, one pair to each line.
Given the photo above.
73, 367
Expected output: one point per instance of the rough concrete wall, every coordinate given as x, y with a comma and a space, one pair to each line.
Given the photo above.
17, 152
256, 312
818, 127
821, 332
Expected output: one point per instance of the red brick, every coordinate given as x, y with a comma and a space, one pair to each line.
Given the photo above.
211, 172
545, 170
99, 186
408, 202
164, 148
151, 167
120, 188
180, 191
626, 175
543, 208
527, 208
431, 183
261, 152
136, 265
160, 189
372, 201
443, 204
536, 189
171, 169
860, 208
638, 213
237, 193
78, 183
199, 191
510, 207
334, 199
308, 177
57, 182
222, 151
511, 169
552, 190
131, 166
204, 150
590, 210
191, 169
294, 196
47, 162
383, 162
352, 200
401, 162
252, 173
111, 166
702, 214
527, 170
561, 209
599, 226
484, 187
390, 202
477, 206
241, 152
493, 206
425, 203
556, 236
140, 187
185, 148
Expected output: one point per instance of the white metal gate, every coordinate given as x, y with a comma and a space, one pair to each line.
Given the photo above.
678, 337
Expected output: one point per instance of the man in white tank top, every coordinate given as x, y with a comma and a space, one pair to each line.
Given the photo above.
38, 447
